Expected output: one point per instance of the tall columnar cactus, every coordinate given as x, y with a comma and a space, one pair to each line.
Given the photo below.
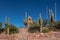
51, 19
0, 25
7, 24
25, 20
25, 23
40, 23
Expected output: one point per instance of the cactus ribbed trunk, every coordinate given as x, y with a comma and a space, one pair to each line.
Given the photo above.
8, 30
41, 29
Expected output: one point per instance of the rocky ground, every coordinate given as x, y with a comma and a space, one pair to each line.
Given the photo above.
24, 35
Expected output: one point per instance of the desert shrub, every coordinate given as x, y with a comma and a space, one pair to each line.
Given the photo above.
45, 30
12, 29
33, 29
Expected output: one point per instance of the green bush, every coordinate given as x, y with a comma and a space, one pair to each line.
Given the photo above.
12, 29
45, 30
33, 29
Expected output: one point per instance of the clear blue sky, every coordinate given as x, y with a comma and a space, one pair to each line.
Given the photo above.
15, 9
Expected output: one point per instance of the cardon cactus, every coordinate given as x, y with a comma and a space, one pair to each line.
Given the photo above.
25, 22
51, 20
40, 23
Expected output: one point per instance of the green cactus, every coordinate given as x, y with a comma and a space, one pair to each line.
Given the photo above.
51, 21
40, 23
25, 23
